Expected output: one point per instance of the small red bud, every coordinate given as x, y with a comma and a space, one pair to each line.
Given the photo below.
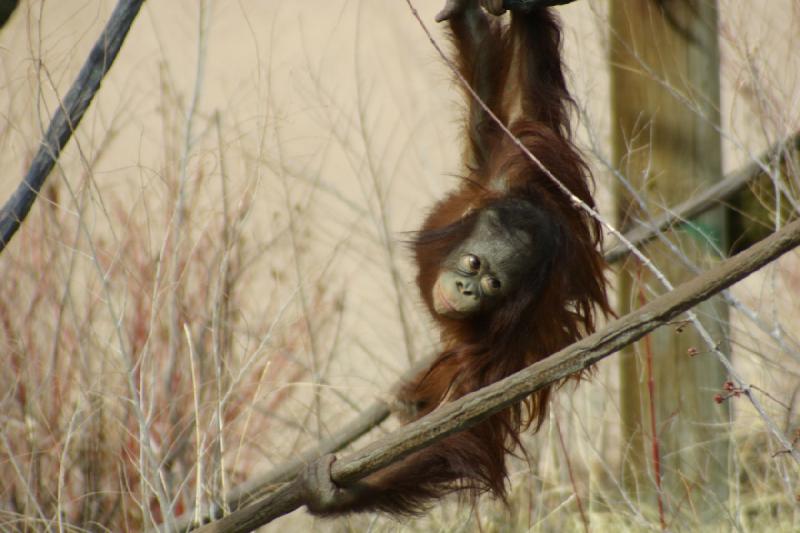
719, 398
729, 386
692, 351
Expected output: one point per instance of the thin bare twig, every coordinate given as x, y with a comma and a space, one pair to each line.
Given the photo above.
571, 472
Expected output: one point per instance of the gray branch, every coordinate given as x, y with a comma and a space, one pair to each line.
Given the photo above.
67, 117
472, 408
713, 196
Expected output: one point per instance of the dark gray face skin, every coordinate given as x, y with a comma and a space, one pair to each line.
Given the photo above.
483, 270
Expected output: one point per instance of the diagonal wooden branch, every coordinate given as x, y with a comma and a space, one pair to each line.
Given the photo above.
698, 204
261, 486
473, 408
67, 117
379, 411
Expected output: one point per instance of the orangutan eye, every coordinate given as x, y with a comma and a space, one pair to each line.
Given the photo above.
471, 263
491, 285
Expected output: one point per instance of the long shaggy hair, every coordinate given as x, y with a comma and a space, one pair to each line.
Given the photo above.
554, 306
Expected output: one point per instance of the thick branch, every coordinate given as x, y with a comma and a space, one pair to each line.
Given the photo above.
68, 116
473, 408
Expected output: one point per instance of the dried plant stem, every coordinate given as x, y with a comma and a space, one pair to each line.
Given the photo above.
177, 222
199, 441
571, 472
655, 443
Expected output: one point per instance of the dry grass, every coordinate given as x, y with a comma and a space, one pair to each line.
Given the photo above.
108, 418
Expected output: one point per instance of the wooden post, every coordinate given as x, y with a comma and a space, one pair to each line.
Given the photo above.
665, 106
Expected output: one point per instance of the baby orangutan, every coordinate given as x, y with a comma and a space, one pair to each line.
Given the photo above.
510, 270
